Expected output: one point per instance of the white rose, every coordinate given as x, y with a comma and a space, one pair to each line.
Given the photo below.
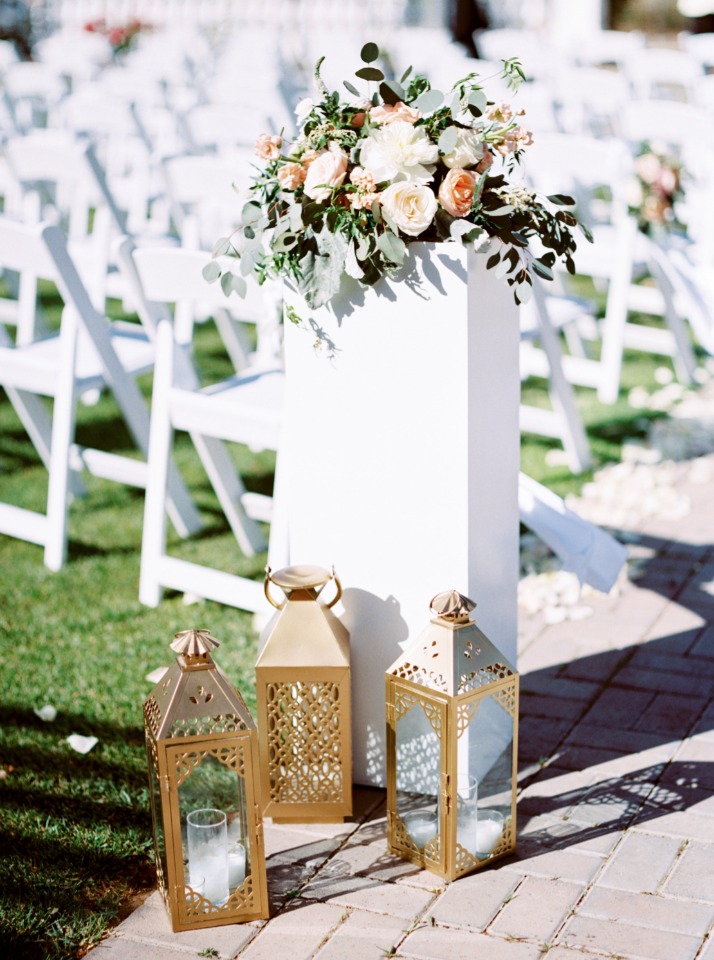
412, 206
467, 152
327, 171
399, 151
303, 109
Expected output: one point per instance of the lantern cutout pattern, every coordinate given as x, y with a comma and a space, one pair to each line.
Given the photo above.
202, 747
452, 728
303, 694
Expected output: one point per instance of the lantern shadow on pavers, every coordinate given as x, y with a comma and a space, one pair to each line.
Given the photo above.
303, 679
452, 729
202, 747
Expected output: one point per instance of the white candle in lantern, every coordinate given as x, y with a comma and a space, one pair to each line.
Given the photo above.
422, 827
214, 871
488, 832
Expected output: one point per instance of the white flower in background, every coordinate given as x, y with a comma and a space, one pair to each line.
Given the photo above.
327, 170
399, 151
303, 109
412, 206
468, 150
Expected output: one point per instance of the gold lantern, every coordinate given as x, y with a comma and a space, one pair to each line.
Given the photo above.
452, 731
303, 694
202, 747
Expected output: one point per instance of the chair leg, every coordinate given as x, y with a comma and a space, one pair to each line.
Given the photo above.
63, 422
153, 540
613, 328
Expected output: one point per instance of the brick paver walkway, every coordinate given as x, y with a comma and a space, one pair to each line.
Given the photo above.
616, 807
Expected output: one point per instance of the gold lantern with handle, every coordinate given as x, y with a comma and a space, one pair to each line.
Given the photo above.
302, 680
452, 732
202, 748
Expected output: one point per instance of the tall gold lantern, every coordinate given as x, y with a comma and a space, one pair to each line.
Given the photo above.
452, 731
302, 681
202, 748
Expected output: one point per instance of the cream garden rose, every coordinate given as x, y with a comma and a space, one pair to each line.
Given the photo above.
327, 171
456, 193
399, 151
468, 152
412, 206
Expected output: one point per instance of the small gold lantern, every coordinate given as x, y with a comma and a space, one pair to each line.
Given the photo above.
202, 747
302, 681
452, 732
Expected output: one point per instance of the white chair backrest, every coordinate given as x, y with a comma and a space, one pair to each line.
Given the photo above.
663, 73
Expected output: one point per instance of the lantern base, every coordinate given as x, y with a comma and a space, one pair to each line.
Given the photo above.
318, 819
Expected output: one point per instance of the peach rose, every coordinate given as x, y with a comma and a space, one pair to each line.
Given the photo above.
268, 148
456, 193
307, 158
291, 175
388, 113
327, 171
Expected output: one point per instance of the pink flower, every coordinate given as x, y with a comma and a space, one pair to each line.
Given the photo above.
485, 162
325, 173
502, 112
456, 193
514, 140
307, 157
648, 167
268, 148
362, 178
362, 201
388, 113
291, 175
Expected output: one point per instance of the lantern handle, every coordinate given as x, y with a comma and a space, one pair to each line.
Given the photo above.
266, 588
338, 588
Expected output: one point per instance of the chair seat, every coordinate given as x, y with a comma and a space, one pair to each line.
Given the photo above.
244, 409
34, 366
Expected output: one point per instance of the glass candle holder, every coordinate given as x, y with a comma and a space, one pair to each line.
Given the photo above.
422, 826
207, 838
488, 831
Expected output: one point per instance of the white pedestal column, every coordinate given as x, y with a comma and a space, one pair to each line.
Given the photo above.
402, 452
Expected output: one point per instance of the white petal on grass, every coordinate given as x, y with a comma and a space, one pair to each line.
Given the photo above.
81, 744
156, 675
47, 713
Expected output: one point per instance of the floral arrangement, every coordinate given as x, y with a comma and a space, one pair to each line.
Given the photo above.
396, 164
655, 189
121, 38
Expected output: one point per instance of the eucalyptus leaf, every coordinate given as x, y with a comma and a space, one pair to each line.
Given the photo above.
369, 73
221, 247
460, 228
542, 270
429, 101
321, 273
523, 291
352, 265
561, 199
352, 89
478, 100
296, 223
392, 247
212, 271
502, 269
405, 75
251, 213
370, 52
392, 92
448, 140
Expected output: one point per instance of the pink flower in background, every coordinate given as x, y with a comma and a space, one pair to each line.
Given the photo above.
456, 193
326, 172
268, 148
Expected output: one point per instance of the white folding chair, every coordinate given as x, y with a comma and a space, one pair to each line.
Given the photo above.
541, 355
663, 73
88, 353
244, 409
588, 169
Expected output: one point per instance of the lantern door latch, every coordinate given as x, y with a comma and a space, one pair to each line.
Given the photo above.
445, 793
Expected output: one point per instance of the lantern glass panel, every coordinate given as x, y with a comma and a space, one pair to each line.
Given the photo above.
418, 750
212, 810
484, 777
157, 820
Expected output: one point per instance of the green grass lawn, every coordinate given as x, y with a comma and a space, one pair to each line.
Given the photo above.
75, 833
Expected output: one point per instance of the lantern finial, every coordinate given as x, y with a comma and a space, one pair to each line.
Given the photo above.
194, 645
452, 605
